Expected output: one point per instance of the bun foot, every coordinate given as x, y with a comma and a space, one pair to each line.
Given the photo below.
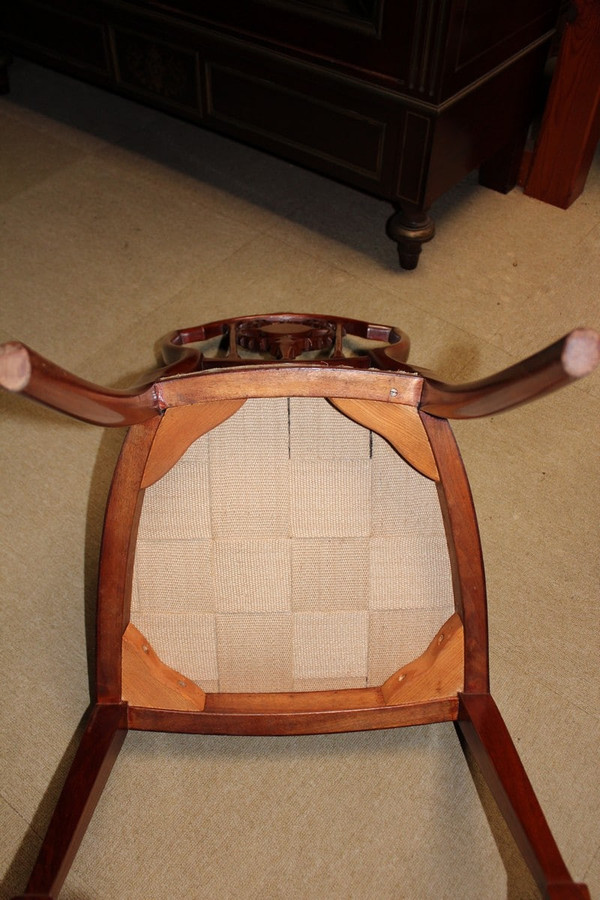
410, 230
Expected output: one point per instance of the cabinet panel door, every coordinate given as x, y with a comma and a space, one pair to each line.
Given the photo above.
372, 38
484, 34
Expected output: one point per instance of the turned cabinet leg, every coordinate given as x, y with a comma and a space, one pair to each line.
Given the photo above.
98, 749
410, 228
501, 171
488, 738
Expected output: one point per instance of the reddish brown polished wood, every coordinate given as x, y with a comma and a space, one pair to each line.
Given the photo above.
89, 772
488, 738
117, 557
24, 371
572, 357
341, 716
464, 546
293, 380
304, 333
570, 126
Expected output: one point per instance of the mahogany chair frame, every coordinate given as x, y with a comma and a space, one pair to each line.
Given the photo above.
378, 389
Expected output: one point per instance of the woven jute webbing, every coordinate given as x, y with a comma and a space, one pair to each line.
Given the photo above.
290, 549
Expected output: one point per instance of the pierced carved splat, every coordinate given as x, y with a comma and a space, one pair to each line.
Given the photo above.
286, 340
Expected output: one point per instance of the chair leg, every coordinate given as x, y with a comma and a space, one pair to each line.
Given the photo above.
488, 738
97, 751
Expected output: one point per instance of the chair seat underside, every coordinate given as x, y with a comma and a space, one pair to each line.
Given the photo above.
311, 563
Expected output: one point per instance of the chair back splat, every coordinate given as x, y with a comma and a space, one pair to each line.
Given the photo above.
290, 547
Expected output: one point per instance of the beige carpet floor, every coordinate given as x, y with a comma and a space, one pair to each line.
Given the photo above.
119, 224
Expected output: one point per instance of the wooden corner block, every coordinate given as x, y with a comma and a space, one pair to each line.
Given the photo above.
437, 673
147, 681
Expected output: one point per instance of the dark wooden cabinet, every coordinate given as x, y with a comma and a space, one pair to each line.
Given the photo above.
399, 98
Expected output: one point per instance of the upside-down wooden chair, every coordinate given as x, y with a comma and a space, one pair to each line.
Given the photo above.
290, 547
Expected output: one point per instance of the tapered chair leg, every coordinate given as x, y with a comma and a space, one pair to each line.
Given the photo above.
97, 751
488, 738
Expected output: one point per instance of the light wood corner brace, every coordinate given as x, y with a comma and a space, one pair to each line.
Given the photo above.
147, 681
438, 673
